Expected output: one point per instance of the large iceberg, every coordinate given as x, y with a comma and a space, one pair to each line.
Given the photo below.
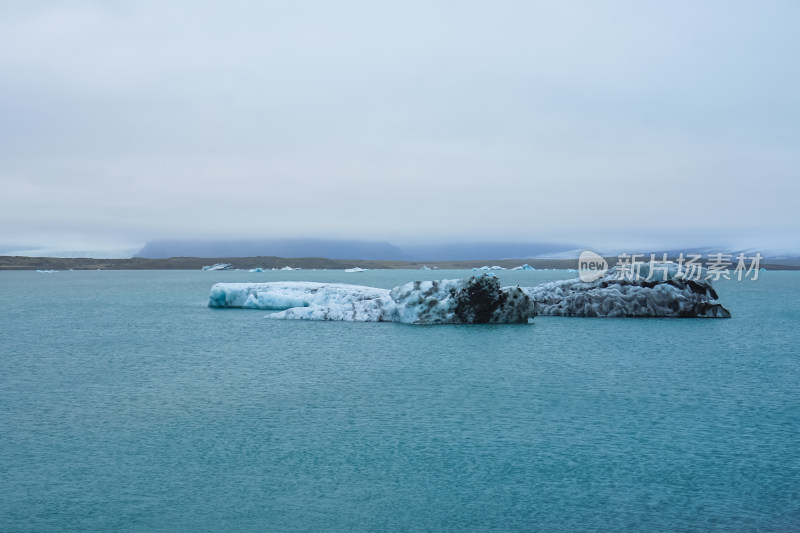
477, 300
666, 292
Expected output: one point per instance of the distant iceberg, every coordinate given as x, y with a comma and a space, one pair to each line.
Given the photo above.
526, 266
495, 267
218, 266
355, 269
477, 300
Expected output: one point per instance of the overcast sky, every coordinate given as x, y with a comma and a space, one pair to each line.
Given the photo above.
601, 123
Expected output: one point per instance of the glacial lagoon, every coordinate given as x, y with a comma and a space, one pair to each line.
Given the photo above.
127, 404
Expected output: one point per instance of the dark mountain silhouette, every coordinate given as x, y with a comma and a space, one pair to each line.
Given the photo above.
331, 249
483, 250
272, 247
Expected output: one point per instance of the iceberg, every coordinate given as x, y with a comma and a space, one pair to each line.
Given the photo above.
355, 269
495, 267
667, 294
288, 294
477, 300
526, 266
218, 266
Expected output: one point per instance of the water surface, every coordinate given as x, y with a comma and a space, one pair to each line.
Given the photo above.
127, 404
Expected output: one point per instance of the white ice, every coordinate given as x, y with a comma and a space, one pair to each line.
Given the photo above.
218, 266
288, 294
483, 268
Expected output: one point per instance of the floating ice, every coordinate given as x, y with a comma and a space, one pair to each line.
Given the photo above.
475, 300
355, 269
526, 266
669, 293
218, 266
478, 299
288, 294
257, 269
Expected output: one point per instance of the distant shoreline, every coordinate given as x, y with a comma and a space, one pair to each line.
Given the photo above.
307, 263
265, 262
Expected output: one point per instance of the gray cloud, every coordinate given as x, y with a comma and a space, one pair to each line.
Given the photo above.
605, 123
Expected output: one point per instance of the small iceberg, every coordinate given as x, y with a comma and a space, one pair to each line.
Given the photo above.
484, 268
218, 266
355, 269
47, 271
526, 266
257, 269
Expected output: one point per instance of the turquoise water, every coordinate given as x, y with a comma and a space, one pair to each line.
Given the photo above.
126, 404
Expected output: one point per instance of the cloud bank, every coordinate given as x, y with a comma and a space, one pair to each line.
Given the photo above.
606, 123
